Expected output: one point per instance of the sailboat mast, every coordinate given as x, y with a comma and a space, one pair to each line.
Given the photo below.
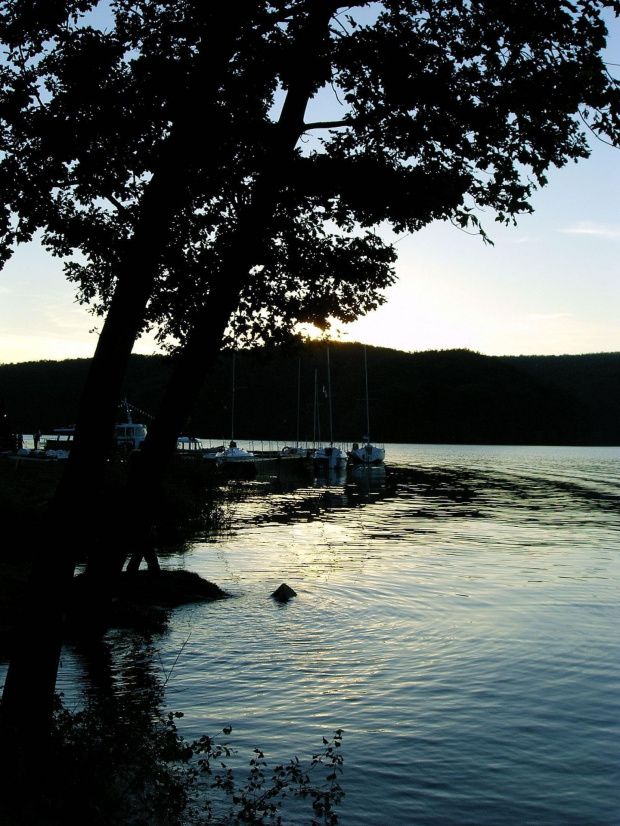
367, 397
329, 399
298, 398
232, 406
316, 425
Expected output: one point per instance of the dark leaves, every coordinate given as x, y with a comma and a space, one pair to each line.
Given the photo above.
163, 124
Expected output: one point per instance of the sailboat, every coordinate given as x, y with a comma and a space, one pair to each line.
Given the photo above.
296, 451
331, 457
367, 453
234, 455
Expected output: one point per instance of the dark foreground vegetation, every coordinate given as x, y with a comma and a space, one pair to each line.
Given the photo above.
118, 756
448, 396
120, 759
189, 505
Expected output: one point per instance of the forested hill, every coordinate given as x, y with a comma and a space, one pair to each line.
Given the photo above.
592, 379
447, 396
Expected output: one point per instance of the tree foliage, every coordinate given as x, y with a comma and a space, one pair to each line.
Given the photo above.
442, 109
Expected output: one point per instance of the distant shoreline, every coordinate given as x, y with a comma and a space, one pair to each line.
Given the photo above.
432, 397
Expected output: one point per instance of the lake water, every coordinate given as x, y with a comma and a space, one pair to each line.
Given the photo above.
458, 618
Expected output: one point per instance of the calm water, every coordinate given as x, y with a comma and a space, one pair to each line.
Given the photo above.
458, 619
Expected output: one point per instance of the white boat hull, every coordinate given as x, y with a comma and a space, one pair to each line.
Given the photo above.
330, 457
233, 455
367, 455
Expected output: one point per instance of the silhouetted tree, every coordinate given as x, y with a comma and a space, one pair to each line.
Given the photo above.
446, 108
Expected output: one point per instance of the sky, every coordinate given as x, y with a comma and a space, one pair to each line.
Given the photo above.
549, 286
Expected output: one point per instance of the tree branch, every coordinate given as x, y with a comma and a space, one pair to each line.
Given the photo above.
120, 207
326, 124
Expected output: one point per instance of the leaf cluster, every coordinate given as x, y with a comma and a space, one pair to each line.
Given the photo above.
445, 110
264, 796
117, 760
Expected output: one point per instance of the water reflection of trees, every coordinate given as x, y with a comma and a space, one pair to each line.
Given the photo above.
429, 492
293, 499
119, 757
115, 755
471, 490
426, 493
288, 500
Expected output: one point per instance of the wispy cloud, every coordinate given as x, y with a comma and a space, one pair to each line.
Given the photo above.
600, 230
541, 317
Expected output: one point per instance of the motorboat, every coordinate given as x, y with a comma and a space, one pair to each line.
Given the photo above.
129, 435
55, 448
190, 446
38, 455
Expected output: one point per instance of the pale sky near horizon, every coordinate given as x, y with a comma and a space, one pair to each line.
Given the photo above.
548, 287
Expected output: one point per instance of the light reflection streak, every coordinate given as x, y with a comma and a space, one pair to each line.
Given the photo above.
462, 618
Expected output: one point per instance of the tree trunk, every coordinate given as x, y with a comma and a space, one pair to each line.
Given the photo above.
28, 693
203, 345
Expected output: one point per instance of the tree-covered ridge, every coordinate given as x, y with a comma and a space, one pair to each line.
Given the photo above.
447, 396
593, 378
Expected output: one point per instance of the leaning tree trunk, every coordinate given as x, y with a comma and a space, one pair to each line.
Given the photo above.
29, 689
204, 342
27, 699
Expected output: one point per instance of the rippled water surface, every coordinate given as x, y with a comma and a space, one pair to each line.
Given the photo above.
457, 617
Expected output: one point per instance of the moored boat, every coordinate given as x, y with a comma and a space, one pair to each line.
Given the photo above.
330, 457
233, 461
233, 455
55, 447
129, 435
38, 455
190, 446
366, 453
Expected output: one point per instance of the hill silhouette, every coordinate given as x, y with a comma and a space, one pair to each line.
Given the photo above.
444, 396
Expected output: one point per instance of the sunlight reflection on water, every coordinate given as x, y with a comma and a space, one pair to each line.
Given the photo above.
461, 626
458, 620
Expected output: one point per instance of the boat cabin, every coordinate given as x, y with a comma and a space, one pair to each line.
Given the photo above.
129, 435
62, 439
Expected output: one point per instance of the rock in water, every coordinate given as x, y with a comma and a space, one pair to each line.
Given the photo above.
284, 593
